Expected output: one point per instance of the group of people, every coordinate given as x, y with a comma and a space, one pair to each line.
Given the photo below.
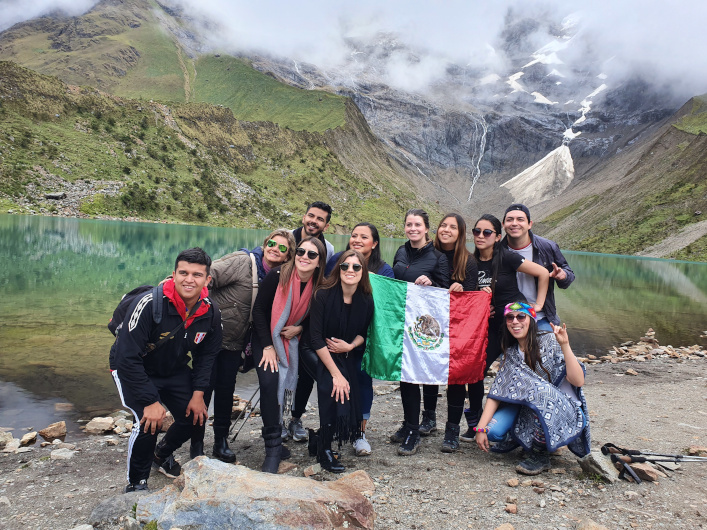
300, 313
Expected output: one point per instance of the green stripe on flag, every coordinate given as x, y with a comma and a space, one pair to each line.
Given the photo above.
384, 345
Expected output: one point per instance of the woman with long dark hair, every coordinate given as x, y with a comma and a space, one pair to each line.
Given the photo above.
279, 317
364, 239
497, 275
536, 400
450, 239
342, 309
419, 262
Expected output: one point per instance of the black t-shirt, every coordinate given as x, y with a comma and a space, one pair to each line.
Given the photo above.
506, 285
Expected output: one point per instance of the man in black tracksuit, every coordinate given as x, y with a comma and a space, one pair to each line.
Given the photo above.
149, 382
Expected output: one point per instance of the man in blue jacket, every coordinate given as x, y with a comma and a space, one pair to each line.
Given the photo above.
151, 378
519, 238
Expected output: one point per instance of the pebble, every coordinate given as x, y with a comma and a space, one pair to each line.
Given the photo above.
513, 482
62, 454
541, 503
511, 508
511, 499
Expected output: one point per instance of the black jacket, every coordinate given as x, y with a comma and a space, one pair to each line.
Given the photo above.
331, 318
545, 253
139, 329
411, 263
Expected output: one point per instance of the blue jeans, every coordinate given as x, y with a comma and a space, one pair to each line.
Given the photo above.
502, 422
544, 325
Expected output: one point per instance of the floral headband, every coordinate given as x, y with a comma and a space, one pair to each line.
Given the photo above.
520, 307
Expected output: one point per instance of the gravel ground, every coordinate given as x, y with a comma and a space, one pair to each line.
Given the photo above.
662, 409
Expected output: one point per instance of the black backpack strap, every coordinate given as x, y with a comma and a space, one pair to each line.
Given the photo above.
157, 305
163, 340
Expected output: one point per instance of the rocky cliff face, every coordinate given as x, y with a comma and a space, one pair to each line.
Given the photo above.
472, 131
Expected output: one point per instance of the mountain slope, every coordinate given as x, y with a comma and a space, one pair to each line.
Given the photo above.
646, 194
192, 162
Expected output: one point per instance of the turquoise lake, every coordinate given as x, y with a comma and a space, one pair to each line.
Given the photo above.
61, 279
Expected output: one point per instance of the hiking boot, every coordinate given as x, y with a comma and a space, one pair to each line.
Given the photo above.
505, 446
472, 420
140, 486
451, 438
167, 465
398, 436
411, 442
429, 422
296, 430
537, 460
361, 446
285, 433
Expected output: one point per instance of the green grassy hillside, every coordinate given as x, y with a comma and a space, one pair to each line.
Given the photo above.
125, 48
184, 162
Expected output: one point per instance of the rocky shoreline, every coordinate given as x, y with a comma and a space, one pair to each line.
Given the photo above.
64, 483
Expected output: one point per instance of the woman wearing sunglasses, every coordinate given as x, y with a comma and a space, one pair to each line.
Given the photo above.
232, 288
451, 241
364, 239
279, 317
277, 248
497, 275
419, 262
536, 400
342, 309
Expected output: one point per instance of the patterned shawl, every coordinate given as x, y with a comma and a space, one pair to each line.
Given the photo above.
562, 419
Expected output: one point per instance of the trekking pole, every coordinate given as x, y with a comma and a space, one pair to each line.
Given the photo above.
247, 404
677, 459
615, 450
244, 421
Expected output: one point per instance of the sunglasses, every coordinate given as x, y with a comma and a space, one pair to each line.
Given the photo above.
282, 248
520, 317
487, 233
356, 266
310, 253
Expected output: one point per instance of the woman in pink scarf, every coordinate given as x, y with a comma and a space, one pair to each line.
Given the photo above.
279, 313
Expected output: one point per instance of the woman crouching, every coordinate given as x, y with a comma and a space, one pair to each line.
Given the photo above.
536, 400
341, 310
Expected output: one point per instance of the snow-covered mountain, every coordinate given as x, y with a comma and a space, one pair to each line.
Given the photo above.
475, 128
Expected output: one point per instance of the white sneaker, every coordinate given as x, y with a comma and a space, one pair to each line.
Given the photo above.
361, 446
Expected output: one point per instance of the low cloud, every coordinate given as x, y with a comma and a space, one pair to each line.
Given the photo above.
410, 44
15, 11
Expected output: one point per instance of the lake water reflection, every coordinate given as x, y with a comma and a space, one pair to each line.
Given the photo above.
61, 279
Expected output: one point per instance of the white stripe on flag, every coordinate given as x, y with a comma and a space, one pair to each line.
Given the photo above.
426, 336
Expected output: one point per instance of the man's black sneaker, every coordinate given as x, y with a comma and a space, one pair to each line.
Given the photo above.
168, 466
411, 443
140, 486
398, 436
429, 422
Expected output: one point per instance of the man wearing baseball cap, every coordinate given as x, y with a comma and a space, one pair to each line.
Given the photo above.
519, 238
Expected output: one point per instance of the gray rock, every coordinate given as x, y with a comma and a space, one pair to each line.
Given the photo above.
596, 463
99, 425
5, 438
219, 495
113, 508
62, 454
83, 527
55, 196
131, 524
12, 446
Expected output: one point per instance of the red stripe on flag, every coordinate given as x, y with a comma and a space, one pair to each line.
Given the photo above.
468, 336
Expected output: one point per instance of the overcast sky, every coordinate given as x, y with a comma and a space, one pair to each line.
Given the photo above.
666, 41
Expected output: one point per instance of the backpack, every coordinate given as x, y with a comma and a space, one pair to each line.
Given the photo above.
116, 322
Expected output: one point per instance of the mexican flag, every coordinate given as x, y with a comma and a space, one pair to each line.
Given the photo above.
426, 335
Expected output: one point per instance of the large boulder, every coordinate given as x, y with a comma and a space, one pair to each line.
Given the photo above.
218, 495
